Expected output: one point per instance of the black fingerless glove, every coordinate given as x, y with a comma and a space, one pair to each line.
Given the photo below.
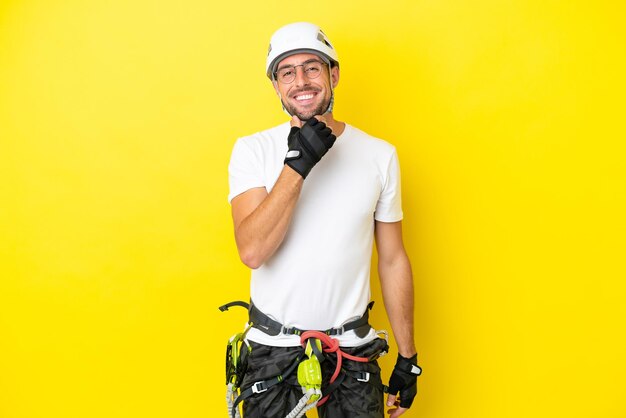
307, 145
404, 380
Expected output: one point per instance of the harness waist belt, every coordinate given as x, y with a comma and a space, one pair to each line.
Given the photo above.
271, 327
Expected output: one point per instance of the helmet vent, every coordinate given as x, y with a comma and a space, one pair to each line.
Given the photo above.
322, 38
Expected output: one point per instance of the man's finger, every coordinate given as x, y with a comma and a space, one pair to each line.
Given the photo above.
322, 118
391, 400
295, 122
395, 413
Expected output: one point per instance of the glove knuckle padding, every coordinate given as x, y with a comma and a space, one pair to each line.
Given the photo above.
312, 140
328, 138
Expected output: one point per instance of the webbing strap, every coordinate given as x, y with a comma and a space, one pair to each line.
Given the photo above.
271, 327
263, 385
333, 386
365, 377
360, 376
263, 322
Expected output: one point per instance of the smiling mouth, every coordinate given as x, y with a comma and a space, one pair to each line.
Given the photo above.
304, 97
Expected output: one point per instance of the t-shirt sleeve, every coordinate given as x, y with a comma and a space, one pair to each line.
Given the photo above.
389, 206
244, 169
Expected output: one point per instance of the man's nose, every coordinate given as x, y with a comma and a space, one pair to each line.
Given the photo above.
301, 78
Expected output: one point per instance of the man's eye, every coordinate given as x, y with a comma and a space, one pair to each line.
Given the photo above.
312, 70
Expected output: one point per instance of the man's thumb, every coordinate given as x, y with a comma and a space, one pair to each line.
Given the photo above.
295, 121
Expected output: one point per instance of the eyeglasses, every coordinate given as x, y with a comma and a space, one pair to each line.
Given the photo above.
312, 69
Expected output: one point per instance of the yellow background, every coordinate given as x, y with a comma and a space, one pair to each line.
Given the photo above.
117, 119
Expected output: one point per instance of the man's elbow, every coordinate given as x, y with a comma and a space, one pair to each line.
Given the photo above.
252, 259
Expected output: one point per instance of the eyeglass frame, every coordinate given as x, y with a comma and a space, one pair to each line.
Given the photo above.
312, 60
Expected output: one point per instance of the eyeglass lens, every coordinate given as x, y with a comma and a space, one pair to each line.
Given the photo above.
288, 74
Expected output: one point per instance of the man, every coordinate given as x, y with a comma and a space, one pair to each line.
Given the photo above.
305, 218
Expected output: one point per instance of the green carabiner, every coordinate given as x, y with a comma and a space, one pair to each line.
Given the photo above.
310, 371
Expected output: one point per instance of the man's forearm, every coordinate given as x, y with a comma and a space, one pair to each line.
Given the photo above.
397, 287
261, 232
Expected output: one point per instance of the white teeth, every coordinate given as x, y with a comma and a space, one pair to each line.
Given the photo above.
304, 97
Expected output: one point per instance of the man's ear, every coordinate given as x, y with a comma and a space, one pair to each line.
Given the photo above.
334, 75
275, 84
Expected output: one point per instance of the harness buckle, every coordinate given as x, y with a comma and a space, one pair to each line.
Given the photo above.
335, 331
365, 378
291, 331
259, 387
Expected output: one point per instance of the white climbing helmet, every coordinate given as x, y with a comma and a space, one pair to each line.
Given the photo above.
296, 38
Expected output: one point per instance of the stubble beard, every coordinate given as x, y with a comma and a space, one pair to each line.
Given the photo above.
304, 116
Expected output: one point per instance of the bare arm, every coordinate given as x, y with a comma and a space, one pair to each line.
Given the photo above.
261, 219
396, 280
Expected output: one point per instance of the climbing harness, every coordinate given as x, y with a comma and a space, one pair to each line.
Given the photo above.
309, 374
259, 320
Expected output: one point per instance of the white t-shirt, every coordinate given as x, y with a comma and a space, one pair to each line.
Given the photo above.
319, 276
